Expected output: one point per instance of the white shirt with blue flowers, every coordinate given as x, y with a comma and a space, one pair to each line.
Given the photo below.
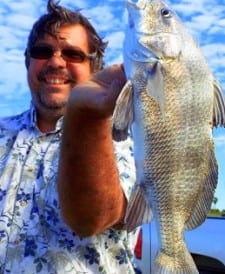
33, 237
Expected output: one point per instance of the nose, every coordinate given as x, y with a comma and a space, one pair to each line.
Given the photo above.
56, 60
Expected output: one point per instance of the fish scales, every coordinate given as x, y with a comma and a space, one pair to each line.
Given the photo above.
171, 101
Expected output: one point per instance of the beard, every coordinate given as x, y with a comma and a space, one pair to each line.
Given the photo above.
47, 96
48, 102
49, 109
49, 106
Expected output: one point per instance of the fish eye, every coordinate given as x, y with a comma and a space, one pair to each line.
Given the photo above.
166, 12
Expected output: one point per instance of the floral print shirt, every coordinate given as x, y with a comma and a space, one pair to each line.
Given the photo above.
33, 237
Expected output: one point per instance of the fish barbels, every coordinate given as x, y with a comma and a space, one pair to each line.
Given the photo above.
171, 101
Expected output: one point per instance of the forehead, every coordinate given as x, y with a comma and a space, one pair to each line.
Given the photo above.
74, 35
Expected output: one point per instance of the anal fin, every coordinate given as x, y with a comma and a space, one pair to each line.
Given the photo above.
139, 210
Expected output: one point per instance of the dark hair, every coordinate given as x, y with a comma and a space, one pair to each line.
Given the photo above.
58, 16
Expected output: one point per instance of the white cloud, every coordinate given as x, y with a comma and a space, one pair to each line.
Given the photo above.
215, 55
221, 23
219, 140
103, 18
78, 4
116, 40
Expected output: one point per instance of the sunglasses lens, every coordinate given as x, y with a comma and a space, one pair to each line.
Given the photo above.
72, 55
68, 54
41, 52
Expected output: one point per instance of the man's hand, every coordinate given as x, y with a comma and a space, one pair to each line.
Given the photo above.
98, 95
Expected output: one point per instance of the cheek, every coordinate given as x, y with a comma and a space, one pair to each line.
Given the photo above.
33, 72
31, 78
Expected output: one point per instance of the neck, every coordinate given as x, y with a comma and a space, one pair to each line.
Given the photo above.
47, 122
45, 127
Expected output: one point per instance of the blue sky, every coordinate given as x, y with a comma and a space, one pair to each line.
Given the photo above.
205, 19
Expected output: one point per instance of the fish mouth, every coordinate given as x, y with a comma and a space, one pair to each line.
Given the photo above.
155, 33
145, 55
143, 59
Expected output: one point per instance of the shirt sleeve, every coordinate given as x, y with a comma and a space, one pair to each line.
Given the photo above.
126, 165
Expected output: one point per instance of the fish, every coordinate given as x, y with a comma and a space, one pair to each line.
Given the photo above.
170, 105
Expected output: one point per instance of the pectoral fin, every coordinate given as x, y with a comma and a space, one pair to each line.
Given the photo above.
155, 85
123, 113
218, 106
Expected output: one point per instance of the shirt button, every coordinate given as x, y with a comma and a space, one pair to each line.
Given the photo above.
42, 138
23, 203
17, 241
30, 169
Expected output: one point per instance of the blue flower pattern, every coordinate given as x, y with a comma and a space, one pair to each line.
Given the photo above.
122, 257
92, 255
33, 237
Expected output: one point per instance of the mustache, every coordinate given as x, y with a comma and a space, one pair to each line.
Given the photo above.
59, 72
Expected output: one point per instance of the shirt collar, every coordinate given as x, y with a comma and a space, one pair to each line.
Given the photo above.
32, 123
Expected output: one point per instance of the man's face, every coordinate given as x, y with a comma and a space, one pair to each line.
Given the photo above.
52, 79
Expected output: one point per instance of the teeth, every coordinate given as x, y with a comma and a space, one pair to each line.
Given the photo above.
55, 81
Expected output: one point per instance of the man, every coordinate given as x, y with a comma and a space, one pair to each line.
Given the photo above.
69, 223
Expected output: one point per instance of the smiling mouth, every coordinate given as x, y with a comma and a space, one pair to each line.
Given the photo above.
56, 81
55, 78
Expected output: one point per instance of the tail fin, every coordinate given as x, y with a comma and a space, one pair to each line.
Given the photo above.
165, 264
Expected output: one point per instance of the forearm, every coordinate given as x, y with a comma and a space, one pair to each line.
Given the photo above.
90, 193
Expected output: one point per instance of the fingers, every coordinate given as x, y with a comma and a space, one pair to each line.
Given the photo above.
99, 94
114, 90
109, 74
112, 79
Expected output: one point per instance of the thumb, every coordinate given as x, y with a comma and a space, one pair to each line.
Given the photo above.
108, 101
115, 89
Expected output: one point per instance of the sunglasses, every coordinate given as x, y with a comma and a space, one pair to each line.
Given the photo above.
68, 54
